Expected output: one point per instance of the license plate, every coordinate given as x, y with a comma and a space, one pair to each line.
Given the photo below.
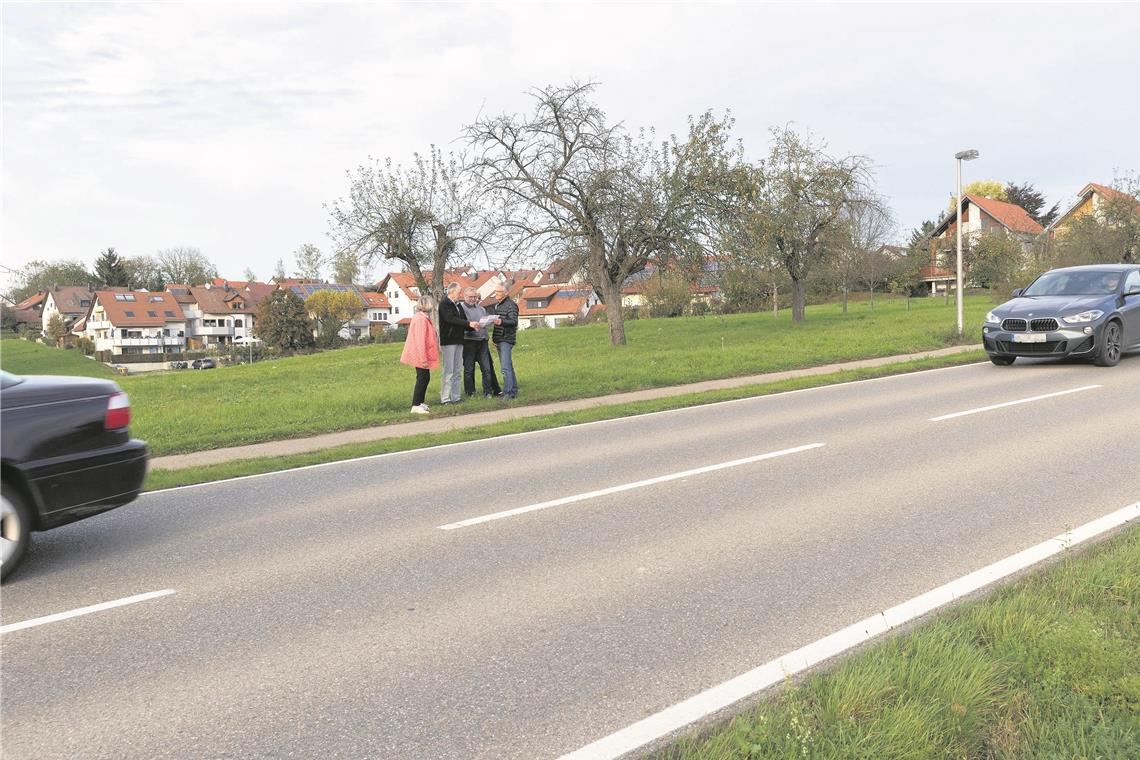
1029, 337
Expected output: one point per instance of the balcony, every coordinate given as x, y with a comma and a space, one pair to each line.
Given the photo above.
220, 331
157, 341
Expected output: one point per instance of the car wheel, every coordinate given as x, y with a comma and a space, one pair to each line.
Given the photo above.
1109, 355
15, 526
1002, 361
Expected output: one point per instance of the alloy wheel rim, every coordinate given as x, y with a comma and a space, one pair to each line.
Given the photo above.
10, 529
1112, 344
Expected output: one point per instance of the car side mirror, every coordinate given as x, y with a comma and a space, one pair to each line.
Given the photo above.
1017, 293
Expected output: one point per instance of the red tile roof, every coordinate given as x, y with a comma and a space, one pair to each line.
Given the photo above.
1009, 215
33, 302
375, 300
143, 310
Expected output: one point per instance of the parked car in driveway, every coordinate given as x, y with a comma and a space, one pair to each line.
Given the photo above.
203, 364
1088, 311
67, 454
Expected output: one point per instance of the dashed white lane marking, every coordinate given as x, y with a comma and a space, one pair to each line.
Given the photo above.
84, 611
625, 487
719, 697
1012, 403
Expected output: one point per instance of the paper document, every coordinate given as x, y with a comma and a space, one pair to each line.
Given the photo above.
488, 320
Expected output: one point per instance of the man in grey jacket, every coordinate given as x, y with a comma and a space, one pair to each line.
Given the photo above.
475, 348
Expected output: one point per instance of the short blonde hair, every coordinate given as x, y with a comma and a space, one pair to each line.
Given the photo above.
426, 303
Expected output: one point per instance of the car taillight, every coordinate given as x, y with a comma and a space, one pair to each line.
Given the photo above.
118, 412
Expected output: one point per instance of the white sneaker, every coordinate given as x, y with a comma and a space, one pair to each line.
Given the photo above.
421, 409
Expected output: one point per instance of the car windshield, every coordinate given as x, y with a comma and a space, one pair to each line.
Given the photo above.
1088, 283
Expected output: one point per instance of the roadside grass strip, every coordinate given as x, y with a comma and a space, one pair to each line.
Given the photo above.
1013, 403
160, 479
1049, 667
625, 487
57, 617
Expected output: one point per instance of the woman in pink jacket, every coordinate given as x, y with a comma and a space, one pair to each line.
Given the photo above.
421, 350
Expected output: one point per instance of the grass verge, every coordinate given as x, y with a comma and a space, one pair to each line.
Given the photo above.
1046, 668
179, 412
158, 479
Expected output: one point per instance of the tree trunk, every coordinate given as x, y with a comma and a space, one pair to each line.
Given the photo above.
611, 295
775, 300
844, 299
799, 299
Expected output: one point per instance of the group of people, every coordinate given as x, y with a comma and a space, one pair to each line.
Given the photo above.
462, 340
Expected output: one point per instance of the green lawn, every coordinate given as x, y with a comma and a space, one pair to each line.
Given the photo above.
364, 386
1048, 668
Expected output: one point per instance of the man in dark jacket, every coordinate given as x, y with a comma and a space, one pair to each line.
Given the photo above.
503, 336
452, 323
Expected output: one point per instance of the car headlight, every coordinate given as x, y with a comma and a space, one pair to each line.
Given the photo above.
1085, 316
993, 319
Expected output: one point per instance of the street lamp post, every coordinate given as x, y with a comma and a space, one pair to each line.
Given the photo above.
965, 155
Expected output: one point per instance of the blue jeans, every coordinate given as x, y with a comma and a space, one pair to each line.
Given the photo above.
507, 367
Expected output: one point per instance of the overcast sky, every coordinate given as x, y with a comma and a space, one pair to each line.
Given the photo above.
226, 127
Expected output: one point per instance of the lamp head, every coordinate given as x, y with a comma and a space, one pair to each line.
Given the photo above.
966, 155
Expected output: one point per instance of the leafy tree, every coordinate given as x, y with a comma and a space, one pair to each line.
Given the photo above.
144, 272
582, 189
801, 195
56, 328
993, 259
667, 292
746, 288
110, 270
249, 275
984, 188
1028, 197
332, 311
185, 266
282, 321
36, 276
346, 267
310, 261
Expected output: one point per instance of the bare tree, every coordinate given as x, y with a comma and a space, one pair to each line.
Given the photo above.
801, 194
186, 266
427, 215
581, 189
867, 225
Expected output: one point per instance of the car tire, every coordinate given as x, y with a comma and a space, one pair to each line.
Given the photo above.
16, 528
1110, 346
1002, 361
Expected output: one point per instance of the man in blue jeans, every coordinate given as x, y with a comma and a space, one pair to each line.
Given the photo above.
503, 336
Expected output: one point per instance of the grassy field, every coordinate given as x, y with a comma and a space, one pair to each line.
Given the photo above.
364, 386
1048, 668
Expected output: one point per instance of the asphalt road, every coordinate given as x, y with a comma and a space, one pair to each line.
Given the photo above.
326, 613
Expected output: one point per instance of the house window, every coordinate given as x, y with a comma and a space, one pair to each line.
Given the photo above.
153, 299
129, 313
124, 296
395, 309
237, 323
152, 314
168, 313
84, 303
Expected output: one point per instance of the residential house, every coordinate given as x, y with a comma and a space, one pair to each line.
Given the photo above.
554, 305
379, 311
71, 302
1091, 199
979, 215
135, 322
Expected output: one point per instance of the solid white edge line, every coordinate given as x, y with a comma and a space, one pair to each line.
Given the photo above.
545, 431
625, 487
1012, 403
84, 611
770, 673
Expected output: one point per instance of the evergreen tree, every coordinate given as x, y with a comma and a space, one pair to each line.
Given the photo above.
1032, 201
282, 321
111, 270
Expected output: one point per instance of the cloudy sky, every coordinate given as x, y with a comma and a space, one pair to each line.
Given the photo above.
227, 127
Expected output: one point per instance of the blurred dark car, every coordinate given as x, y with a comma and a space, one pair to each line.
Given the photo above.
1089, 311
67, 454
203, 364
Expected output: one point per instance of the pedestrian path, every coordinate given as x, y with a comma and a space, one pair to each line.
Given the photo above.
448, 423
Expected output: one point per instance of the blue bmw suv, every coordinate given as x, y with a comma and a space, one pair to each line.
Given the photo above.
1088, 312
